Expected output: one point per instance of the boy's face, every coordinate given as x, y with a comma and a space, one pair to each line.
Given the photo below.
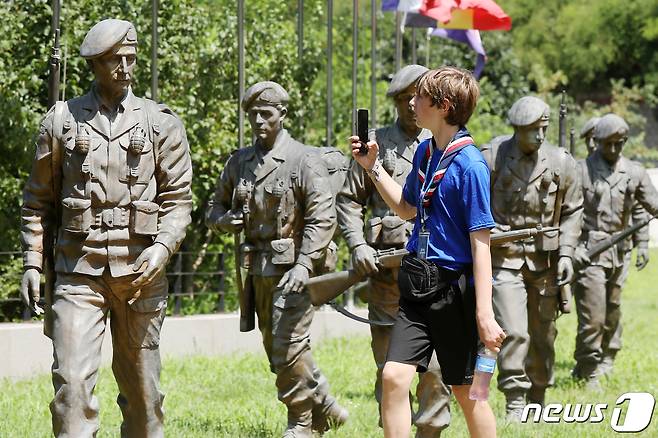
427, 115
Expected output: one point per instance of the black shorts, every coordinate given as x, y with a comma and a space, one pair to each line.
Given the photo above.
445, 325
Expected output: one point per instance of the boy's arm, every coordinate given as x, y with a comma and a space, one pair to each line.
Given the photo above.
491, 334
390, 190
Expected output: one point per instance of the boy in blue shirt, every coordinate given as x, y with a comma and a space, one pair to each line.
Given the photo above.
448, 194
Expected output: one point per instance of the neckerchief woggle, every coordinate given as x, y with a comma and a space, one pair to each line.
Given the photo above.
429, 185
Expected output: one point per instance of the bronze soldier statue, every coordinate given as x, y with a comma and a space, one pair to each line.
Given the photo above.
385, 230
110, 188
277, 192
616, 193
532, 183
586, 133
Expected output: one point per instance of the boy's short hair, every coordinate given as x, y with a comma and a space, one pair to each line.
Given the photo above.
456, 85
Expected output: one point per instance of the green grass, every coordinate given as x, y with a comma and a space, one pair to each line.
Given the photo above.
235, 396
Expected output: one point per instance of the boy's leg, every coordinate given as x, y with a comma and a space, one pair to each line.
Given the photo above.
478, 414
396, 411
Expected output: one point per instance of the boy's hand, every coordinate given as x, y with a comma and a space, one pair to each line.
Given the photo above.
368, 160
491, 334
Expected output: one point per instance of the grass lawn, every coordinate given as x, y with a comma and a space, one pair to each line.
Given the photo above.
235, 396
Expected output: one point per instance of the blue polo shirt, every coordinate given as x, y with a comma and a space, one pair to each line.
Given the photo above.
459, 206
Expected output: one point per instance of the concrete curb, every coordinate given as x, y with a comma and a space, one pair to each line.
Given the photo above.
26, 352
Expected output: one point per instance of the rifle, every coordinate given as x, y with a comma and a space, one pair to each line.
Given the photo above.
246, 297
54, 64
615, 239
565, 289
50, 238
327, 287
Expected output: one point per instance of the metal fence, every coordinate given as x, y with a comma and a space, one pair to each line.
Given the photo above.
184, 281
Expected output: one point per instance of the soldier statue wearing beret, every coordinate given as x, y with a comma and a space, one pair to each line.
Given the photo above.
532, 183
587, 134
278, 192
617, 192
385, 230
110, 188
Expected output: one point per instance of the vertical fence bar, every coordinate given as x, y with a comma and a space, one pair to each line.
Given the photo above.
178, 283
240, 72
373, 63
414, 58
398, 40
221, 289
355, 58
330, 71
428, 40
154, 50
300, 51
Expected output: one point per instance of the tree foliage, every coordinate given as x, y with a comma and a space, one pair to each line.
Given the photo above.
603, 52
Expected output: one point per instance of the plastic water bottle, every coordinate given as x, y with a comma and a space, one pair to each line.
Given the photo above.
485, 365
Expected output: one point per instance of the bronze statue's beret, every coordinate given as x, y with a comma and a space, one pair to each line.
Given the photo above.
266, 92
588, 127
610, 124
106, 34
527, 110
405, 77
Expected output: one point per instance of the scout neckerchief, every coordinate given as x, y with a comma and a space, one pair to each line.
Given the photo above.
429, 183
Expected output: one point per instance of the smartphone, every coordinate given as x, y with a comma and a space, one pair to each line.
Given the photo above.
362, 129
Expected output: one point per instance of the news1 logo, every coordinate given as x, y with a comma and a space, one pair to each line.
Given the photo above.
639, 411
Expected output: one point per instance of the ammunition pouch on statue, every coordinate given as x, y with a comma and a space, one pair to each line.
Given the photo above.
394, 231
387, 232
144, 218
548, 241
76, 215
373, 230
283, 251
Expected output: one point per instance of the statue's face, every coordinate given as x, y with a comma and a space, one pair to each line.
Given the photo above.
610, 148
590, 143
406, 113
114, 70
530, 137
266, 121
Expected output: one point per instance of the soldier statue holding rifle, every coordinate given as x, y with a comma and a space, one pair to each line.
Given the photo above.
617, 192
277, 192
532, 183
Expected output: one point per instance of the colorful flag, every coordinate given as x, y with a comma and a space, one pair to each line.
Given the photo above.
467, 14
452, 14
471, 37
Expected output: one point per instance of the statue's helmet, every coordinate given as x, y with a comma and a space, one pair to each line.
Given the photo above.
405, 77
588, 127
266, 92
609, 125
107, 34
527, 110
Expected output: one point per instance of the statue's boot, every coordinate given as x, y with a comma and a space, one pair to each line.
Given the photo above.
427, 432
328, 415
607, 364
299, 421
536, 395
515, 402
